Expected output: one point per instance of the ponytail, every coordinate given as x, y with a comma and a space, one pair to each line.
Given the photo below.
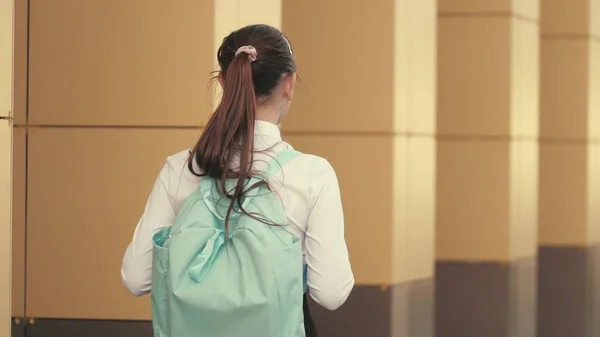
229, 134
230, 131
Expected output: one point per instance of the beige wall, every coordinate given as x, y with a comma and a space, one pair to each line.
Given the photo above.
427, 110
487, 125
368, 106
106, 105
18, 221
19, 158
77, 62
347, 103
6, 61
20, 62
570, 123
86, 198
5, 225
6, 51
105, 108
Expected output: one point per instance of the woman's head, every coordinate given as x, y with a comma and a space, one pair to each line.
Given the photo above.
272, 66
257, 74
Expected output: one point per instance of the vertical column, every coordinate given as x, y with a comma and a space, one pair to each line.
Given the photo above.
5, 224
487, 126
367, 105
569, 236
18, 167
6, 92
6, 55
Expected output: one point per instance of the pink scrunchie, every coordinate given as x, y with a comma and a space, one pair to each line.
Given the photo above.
251, 51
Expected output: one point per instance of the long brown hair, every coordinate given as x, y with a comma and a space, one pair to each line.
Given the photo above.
230, 130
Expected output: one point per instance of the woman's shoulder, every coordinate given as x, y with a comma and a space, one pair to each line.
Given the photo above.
316, 166
180, 158
177, 165
182, 182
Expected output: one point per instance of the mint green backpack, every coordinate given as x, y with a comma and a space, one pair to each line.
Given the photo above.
251, 285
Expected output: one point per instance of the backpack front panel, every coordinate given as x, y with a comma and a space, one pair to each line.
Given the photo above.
231, 299
250, 286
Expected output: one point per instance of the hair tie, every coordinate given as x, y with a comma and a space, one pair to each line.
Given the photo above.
251, 51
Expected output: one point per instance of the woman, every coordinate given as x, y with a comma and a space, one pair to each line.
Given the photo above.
257, 75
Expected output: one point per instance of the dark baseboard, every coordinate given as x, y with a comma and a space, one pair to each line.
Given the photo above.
486, 299
83, 328
404, 310
557, 295
569, 291
367, 312
17, 330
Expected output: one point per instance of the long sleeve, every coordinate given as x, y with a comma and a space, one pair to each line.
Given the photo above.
136, 268
330, 278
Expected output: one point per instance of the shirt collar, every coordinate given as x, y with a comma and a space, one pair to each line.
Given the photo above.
268, 129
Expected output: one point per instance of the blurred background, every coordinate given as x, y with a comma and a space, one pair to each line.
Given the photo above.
465, 135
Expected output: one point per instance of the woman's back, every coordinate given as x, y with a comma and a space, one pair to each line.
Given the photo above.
302, 184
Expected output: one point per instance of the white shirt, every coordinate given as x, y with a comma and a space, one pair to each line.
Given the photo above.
309, 190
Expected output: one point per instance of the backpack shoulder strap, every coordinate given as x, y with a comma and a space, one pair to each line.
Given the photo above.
278, 162
209, 191
273, 167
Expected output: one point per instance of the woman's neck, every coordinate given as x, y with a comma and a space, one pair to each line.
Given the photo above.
268, 113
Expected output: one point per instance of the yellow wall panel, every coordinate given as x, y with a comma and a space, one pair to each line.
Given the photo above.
594, 13
364, 169
565, 17
563, 193
530, 9
473, 75
525, 78
18, 221
400, 212
413, 208
6, 55
20, 62
232, 15
112, 62
414, 66
593, 193
473, 182
5, 225
259, 11
473, 6
564, 88
420, 226
523, 198
86, 191
524, 8
594, 89
347, 67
